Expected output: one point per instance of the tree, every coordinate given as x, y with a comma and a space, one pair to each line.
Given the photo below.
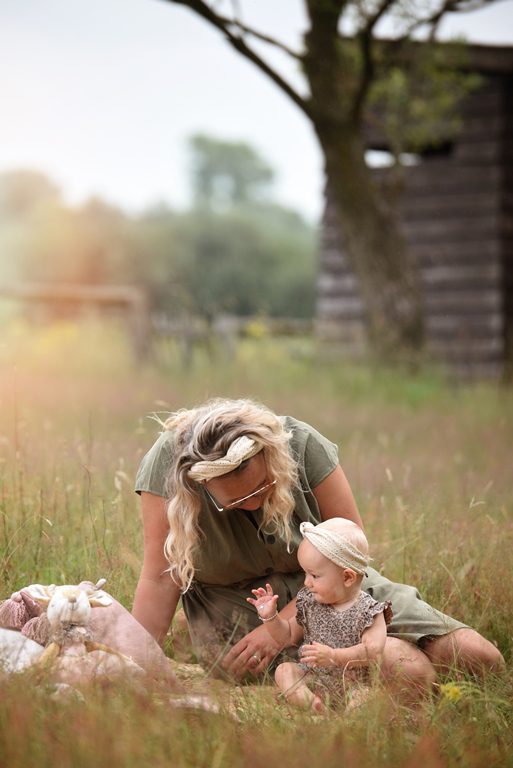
244, 260
231, 258
21, 192
226, 173
340, 73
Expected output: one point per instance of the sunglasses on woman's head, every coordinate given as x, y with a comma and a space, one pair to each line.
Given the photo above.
238, 502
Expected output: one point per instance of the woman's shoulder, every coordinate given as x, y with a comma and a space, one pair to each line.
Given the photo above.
313, 451
300, 429
155, 465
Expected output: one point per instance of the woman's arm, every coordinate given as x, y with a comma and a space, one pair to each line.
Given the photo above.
257, 643
335, 497
156, 594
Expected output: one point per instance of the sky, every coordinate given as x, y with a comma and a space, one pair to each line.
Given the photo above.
101, 95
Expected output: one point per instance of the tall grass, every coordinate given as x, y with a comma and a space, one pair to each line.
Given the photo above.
429, 462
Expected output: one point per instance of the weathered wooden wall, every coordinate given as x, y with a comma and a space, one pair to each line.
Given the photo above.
456, 212
507, 254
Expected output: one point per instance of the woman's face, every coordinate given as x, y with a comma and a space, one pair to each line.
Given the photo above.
228, 489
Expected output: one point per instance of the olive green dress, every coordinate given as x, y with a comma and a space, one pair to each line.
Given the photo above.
236, 556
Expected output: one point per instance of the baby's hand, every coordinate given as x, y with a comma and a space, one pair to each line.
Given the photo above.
265, 602
318, 655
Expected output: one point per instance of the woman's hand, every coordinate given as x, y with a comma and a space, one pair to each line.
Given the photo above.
318, 655
252, 654
265, 602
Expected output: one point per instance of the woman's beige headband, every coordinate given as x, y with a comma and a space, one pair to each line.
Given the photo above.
240, 450
335, 547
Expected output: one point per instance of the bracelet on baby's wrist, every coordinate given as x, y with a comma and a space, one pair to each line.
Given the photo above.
270, 617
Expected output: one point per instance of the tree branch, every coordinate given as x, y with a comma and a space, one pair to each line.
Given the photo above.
449, 6
264, 38
365, 39
223, 24
373, 20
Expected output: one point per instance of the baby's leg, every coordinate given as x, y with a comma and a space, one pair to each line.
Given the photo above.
290, 679
357, 695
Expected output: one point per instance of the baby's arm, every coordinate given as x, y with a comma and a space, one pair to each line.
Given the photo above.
285, 632
367, 650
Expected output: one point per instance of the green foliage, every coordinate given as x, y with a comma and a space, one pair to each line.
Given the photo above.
416, 100
237, 254
246, 262
226, 173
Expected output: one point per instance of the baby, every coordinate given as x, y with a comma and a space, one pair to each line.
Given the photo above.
343, 629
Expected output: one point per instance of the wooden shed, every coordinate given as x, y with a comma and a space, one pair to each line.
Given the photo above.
456, 212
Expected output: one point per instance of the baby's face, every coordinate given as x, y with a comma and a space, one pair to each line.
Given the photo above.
323, 578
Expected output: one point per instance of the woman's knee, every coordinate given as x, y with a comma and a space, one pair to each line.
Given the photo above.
404, 666
465, 649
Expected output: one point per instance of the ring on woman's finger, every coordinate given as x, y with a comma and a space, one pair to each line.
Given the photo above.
256, 657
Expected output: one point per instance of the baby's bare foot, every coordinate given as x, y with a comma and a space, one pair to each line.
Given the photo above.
318, 706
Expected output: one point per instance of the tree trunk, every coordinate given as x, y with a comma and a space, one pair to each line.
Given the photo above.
375, 248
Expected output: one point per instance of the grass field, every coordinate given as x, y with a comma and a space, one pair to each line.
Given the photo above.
429, 462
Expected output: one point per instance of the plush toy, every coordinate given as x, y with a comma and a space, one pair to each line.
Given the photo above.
64, 619
54, 629
17, 652
68, 614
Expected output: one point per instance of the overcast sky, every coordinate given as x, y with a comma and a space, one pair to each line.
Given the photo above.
102, 94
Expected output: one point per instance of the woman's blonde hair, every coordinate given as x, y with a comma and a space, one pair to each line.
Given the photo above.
204, 434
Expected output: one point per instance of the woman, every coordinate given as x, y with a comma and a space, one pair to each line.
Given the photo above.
224, 490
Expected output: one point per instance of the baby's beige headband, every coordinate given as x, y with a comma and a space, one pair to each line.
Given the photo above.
240, 450
335, 547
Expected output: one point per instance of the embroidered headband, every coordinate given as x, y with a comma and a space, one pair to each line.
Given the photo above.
240, 450
335, 547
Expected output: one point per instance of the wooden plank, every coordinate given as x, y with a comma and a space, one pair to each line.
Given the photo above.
482, 152
465, 302
487, 100
481, 125
334, 255
443, 176
479, 228
329, 308
457, 325
455, 276
469, 349
346, 331
330, 284
335, 268
434, 256
491, 59
463, 206
457, 253
444, 179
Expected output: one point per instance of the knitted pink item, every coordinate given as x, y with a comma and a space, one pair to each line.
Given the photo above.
17, 610
37, 629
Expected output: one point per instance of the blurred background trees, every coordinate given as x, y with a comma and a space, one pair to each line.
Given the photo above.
233, 252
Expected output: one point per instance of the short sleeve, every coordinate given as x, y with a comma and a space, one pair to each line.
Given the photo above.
155, 465
371, 608
315, 453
